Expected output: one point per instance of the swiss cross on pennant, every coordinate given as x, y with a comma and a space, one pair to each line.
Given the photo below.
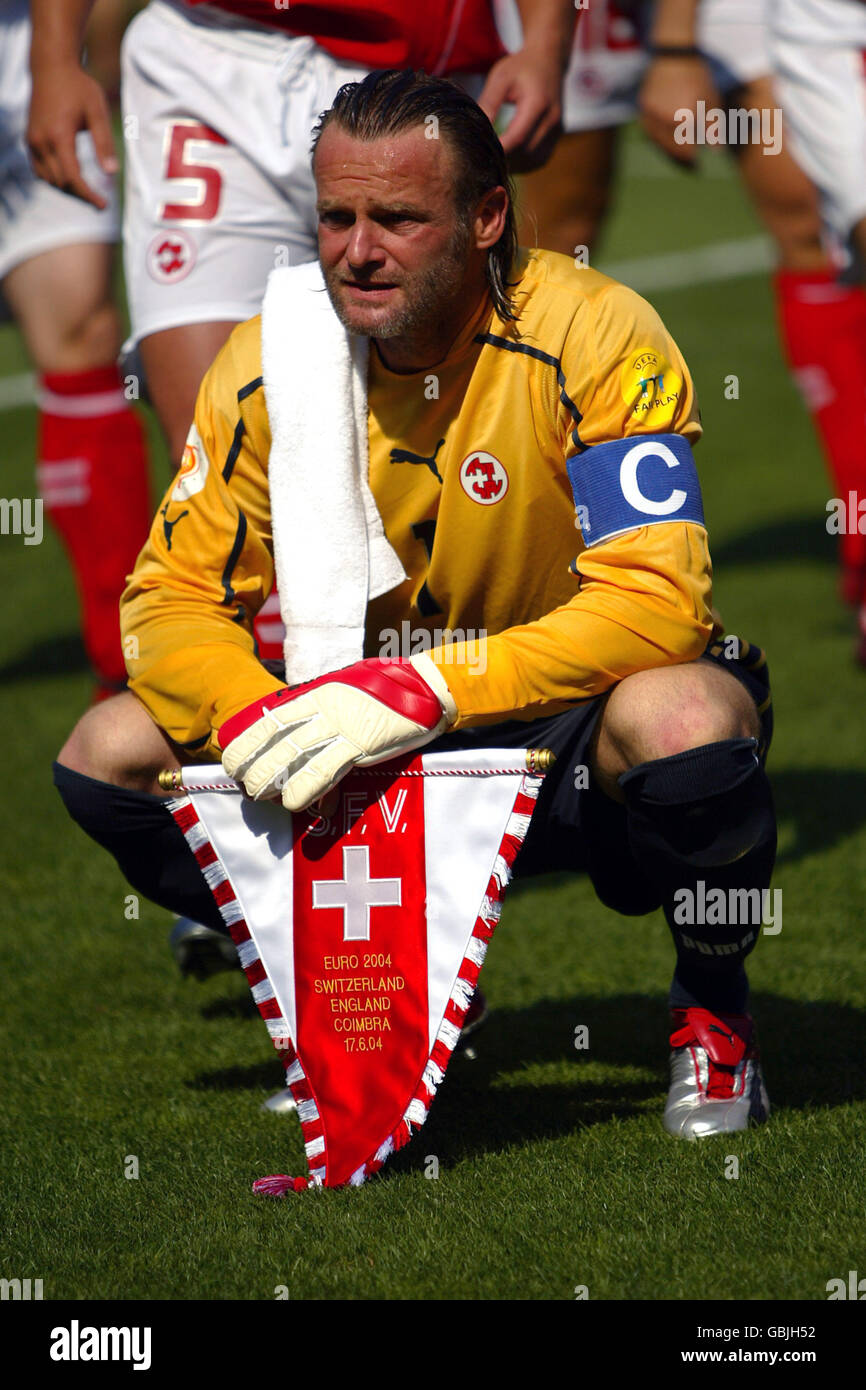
356, 893
363, 935
362, 1015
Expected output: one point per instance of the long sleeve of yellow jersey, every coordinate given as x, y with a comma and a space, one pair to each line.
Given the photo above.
207, 567
642, 597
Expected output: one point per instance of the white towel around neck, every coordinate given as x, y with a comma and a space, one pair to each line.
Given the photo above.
330, 550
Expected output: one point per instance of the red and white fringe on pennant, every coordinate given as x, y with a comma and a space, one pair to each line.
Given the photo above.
281, 1184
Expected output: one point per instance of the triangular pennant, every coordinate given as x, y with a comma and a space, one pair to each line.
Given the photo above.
362, 935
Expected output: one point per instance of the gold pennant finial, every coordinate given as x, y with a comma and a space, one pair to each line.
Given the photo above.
540, 759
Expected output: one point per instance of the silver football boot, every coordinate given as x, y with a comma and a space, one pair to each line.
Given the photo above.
281, 1102
716, 1082
201, 951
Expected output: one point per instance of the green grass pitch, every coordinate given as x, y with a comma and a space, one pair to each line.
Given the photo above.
554, 1170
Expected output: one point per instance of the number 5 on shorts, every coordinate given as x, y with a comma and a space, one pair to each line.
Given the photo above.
204, 205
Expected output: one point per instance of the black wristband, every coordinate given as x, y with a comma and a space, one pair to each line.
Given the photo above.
672, 50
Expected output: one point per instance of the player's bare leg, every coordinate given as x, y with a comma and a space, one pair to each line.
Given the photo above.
780, 192
174, 362
117, 742
62, 304
669, 710
563, 205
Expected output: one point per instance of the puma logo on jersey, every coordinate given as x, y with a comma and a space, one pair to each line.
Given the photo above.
168, 526
406, 456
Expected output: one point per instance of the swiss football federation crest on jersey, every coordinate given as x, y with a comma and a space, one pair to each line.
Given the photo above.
483, 478
171, 255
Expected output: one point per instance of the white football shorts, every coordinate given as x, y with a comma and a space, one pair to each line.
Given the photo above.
733, 35
606, 66
818, 48
34, 217
218, 116
609, 56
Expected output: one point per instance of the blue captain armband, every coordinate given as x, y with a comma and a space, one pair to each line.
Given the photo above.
640, 481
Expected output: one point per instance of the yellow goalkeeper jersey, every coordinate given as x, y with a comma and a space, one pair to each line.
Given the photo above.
550, 553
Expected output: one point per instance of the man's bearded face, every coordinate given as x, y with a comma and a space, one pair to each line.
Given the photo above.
395, 254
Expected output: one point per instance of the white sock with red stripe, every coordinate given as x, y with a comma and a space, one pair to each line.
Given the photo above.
92, 476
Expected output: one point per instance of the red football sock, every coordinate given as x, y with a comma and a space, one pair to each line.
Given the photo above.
823, 326
92, 477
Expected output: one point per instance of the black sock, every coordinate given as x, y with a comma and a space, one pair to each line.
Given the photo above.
699, 822
141, 834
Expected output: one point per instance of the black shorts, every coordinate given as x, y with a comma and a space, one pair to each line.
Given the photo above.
576, 828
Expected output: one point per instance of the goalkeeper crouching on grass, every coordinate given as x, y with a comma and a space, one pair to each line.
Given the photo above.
530, 427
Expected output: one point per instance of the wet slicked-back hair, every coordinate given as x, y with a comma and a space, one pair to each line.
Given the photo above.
389, 102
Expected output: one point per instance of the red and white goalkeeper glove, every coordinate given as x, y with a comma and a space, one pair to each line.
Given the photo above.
298, 743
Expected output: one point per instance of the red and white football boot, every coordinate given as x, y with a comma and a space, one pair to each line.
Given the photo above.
716, 1082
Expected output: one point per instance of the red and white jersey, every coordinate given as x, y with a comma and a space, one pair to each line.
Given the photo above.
440, 36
